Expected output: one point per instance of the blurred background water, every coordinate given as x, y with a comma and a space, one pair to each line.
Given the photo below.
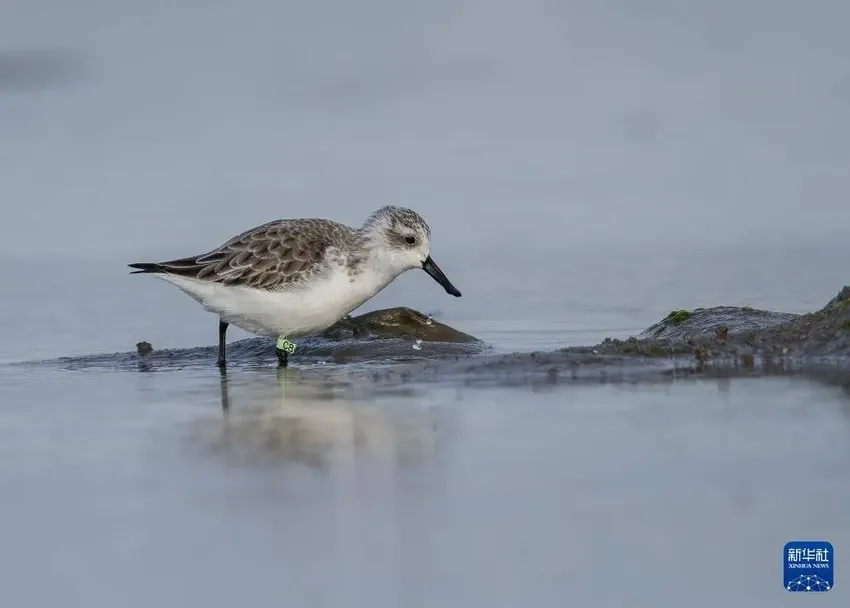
585, 167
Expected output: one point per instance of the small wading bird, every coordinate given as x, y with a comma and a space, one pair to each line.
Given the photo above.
296, 277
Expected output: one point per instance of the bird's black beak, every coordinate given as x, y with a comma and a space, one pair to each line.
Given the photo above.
432, 269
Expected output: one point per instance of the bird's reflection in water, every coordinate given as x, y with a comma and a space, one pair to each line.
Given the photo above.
321, 421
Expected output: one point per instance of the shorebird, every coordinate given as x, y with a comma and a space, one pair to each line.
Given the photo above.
296, 277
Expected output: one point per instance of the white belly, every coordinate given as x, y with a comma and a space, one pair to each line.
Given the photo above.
290, 313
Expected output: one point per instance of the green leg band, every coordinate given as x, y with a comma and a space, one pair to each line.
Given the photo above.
285, 345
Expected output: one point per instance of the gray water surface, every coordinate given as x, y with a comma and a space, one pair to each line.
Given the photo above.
318, 487
585, 168
138, 488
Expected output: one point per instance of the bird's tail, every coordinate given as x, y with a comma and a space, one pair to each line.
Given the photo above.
146, 267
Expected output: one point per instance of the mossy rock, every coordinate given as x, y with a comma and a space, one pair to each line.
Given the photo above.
678, 316
394, 323
718, 322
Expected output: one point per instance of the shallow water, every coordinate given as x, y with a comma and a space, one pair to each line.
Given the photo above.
585, 168
318, 486
126, 488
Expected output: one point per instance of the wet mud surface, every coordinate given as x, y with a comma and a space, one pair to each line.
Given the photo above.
400, 345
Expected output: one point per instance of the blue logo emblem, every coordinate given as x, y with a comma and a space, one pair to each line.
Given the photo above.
808, 565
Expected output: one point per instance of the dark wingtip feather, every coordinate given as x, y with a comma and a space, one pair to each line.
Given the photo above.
145, 267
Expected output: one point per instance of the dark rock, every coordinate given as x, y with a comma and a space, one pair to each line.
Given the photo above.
703, 322
711, 342
399, 322
706, 341
732, 331
387, 334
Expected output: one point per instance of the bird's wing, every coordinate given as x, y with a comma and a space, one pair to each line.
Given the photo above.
277, 255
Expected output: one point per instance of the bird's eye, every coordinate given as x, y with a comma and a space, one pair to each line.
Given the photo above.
410, 240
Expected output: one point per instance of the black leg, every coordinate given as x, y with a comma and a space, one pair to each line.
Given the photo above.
222, 330
225, 393
282, 357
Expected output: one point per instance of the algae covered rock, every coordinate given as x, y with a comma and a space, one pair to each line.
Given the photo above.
714, 337
380, 334
724, 331
823, 333
722, 340
737, 332
397, 322
714, 321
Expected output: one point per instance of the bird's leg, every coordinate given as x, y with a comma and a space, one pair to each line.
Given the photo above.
225, 392
222, 330
283, 349
282, 357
